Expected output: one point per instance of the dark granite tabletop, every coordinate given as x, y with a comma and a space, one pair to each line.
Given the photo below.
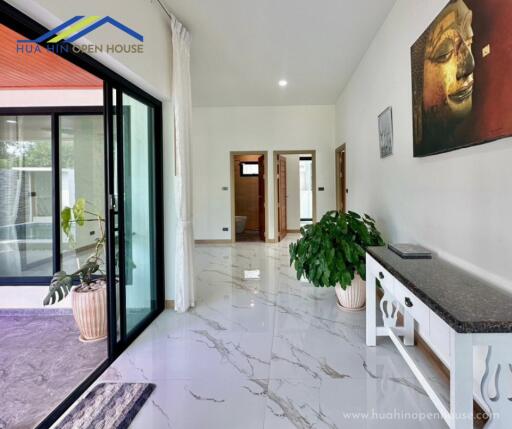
465, 302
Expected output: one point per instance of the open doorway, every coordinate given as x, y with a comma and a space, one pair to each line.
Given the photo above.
248, 205
341, 179
295, 198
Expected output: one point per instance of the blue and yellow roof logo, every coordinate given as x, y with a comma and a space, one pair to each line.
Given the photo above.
79, 26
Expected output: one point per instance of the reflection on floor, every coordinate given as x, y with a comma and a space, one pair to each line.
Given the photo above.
135, 316
267, 353
248, 236
41, 363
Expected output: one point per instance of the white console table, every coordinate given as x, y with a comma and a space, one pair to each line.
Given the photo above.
456, 312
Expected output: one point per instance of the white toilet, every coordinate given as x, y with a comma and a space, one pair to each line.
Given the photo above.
240, 222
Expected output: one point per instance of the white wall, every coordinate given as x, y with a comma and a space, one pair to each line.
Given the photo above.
292, 192
458, 203
218, 130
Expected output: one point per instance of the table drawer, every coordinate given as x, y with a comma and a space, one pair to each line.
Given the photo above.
385, 278
413, 305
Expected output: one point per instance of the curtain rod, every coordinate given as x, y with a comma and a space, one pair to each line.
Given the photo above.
169, 14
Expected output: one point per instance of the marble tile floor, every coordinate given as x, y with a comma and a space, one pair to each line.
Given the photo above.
41, 363
268, 353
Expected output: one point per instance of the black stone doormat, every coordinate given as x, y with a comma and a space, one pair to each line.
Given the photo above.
108, 406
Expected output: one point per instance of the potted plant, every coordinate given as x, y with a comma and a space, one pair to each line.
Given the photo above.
332, 253
88, 283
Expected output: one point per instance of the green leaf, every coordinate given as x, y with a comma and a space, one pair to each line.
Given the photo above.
59, 288
334, 249
361, 270
79, 211
65, 220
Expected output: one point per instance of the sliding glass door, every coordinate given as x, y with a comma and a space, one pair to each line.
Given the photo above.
133, 212
139, 211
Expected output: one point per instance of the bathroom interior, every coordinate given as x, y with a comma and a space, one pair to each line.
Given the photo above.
249, 197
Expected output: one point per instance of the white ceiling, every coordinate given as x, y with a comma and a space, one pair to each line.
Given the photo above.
241, 48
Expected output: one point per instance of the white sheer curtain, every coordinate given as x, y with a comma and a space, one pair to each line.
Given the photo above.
182, 108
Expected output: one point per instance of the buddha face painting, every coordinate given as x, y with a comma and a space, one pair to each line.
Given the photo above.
448, 66
460, 73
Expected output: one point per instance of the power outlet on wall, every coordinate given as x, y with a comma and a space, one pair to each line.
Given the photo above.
225, 228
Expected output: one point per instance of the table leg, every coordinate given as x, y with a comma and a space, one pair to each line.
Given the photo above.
371, 310
409, 329
461, 381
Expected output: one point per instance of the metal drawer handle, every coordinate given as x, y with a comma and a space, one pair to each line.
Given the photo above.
381, 276
408, 302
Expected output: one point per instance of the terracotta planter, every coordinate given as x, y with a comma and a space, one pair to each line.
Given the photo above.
89, 305
354, 297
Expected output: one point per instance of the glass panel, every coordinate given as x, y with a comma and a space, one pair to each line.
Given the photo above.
26, 189
306, 189
139, 217
82, 176
250, 168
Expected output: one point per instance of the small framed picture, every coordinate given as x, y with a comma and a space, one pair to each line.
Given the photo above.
386, 132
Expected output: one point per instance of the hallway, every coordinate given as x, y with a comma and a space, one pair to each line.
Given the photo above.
265, 354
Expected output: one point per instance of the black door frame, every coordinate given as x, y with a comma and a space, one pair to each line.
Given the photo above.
28, 27
122, 127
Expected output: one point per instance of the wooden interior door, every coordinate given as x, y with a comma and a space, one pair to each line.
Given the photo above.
341, 197
261, 196
282, 226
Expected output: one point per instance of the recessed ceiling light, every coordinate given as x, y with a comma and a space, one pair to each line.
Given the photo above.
11, 121
282, 83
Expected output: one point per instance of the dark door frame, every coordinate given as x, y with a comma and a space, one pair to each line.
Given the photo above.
282, 198
232, 156
31, 29
341, 185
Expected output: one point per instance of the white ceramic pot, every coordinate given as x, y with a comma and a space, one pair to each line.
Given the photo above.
354, 297
89, 305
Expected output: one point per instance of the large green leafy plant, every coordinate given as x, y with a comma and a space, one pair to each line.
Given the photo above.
80, 214
333, 250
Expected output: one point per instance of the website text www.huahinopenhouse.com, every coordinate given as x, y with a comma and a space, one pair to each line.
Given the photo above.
411, 416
